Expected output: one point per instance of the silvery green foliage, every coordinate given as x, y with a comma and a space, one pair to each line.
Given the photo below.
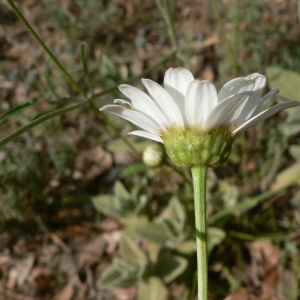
152, 289
122, 205
126, 269
288, 83
168, 229
169, 238
158, 266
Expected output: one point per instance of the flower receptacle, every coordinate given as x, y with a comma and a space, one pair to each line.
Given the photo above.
193, 146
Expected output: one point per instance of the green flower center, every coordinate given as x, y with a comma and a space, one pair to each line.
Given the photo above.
193, 146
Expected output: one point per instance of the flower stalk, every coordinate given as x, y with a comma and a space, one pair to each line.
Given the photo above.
197, 126
199, 180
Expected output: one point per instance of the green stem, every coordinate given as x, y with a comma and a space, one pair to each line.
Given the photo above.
47, 50
199, 179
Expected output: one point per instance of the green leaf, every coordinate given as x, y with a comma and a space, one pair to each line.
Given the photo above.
291, 125
215, 236
45, 113
15, 110
174, 215
168, 228
169, 267
131, 253
188, 247
287, 177
125, 206
154, 250
154, 232
295, 151
124, 200
226, 195
230, 193
38, 121
176, 212
134, 169
106, 205
284, 80
152, 289
84, 56
119, 274
142, 202
120, 191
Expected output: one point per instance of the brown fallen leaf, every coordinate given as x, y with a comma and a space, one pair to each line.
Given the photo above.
91, 252
19, 273
265, 259
126, 293
68, 291
237, 296
93, 162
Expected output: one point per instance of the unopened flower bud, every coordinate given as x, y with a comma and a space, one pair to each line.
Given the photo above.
153, 155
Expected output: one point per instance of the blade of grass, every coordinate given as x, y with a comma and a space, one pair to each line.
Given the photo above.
229, 50
16, 110
248, 203
61, 111
84, 54
47, 50
165, 10
38, 121
277, 236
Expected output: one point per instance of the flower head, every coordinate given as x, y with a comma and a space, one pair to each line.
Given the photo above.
196, 124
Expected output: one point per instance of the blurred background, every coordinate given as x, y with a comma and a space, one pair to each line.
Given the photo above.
81, 215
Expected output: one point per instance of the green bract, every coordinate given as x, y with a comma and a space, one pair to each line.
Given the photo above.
193, 146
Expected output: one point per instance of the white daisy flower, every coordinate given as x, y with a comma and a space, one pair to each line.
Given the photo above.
191, 112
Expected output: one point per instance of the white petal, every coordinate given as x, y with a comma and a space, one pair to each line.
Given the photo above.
164, 101
147, 135
253, 75
265, 114
133, 116
227, 111
264, 100
176, 82
252, 102
260, 81
201, 98
235, 86
122, 101
143, 103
